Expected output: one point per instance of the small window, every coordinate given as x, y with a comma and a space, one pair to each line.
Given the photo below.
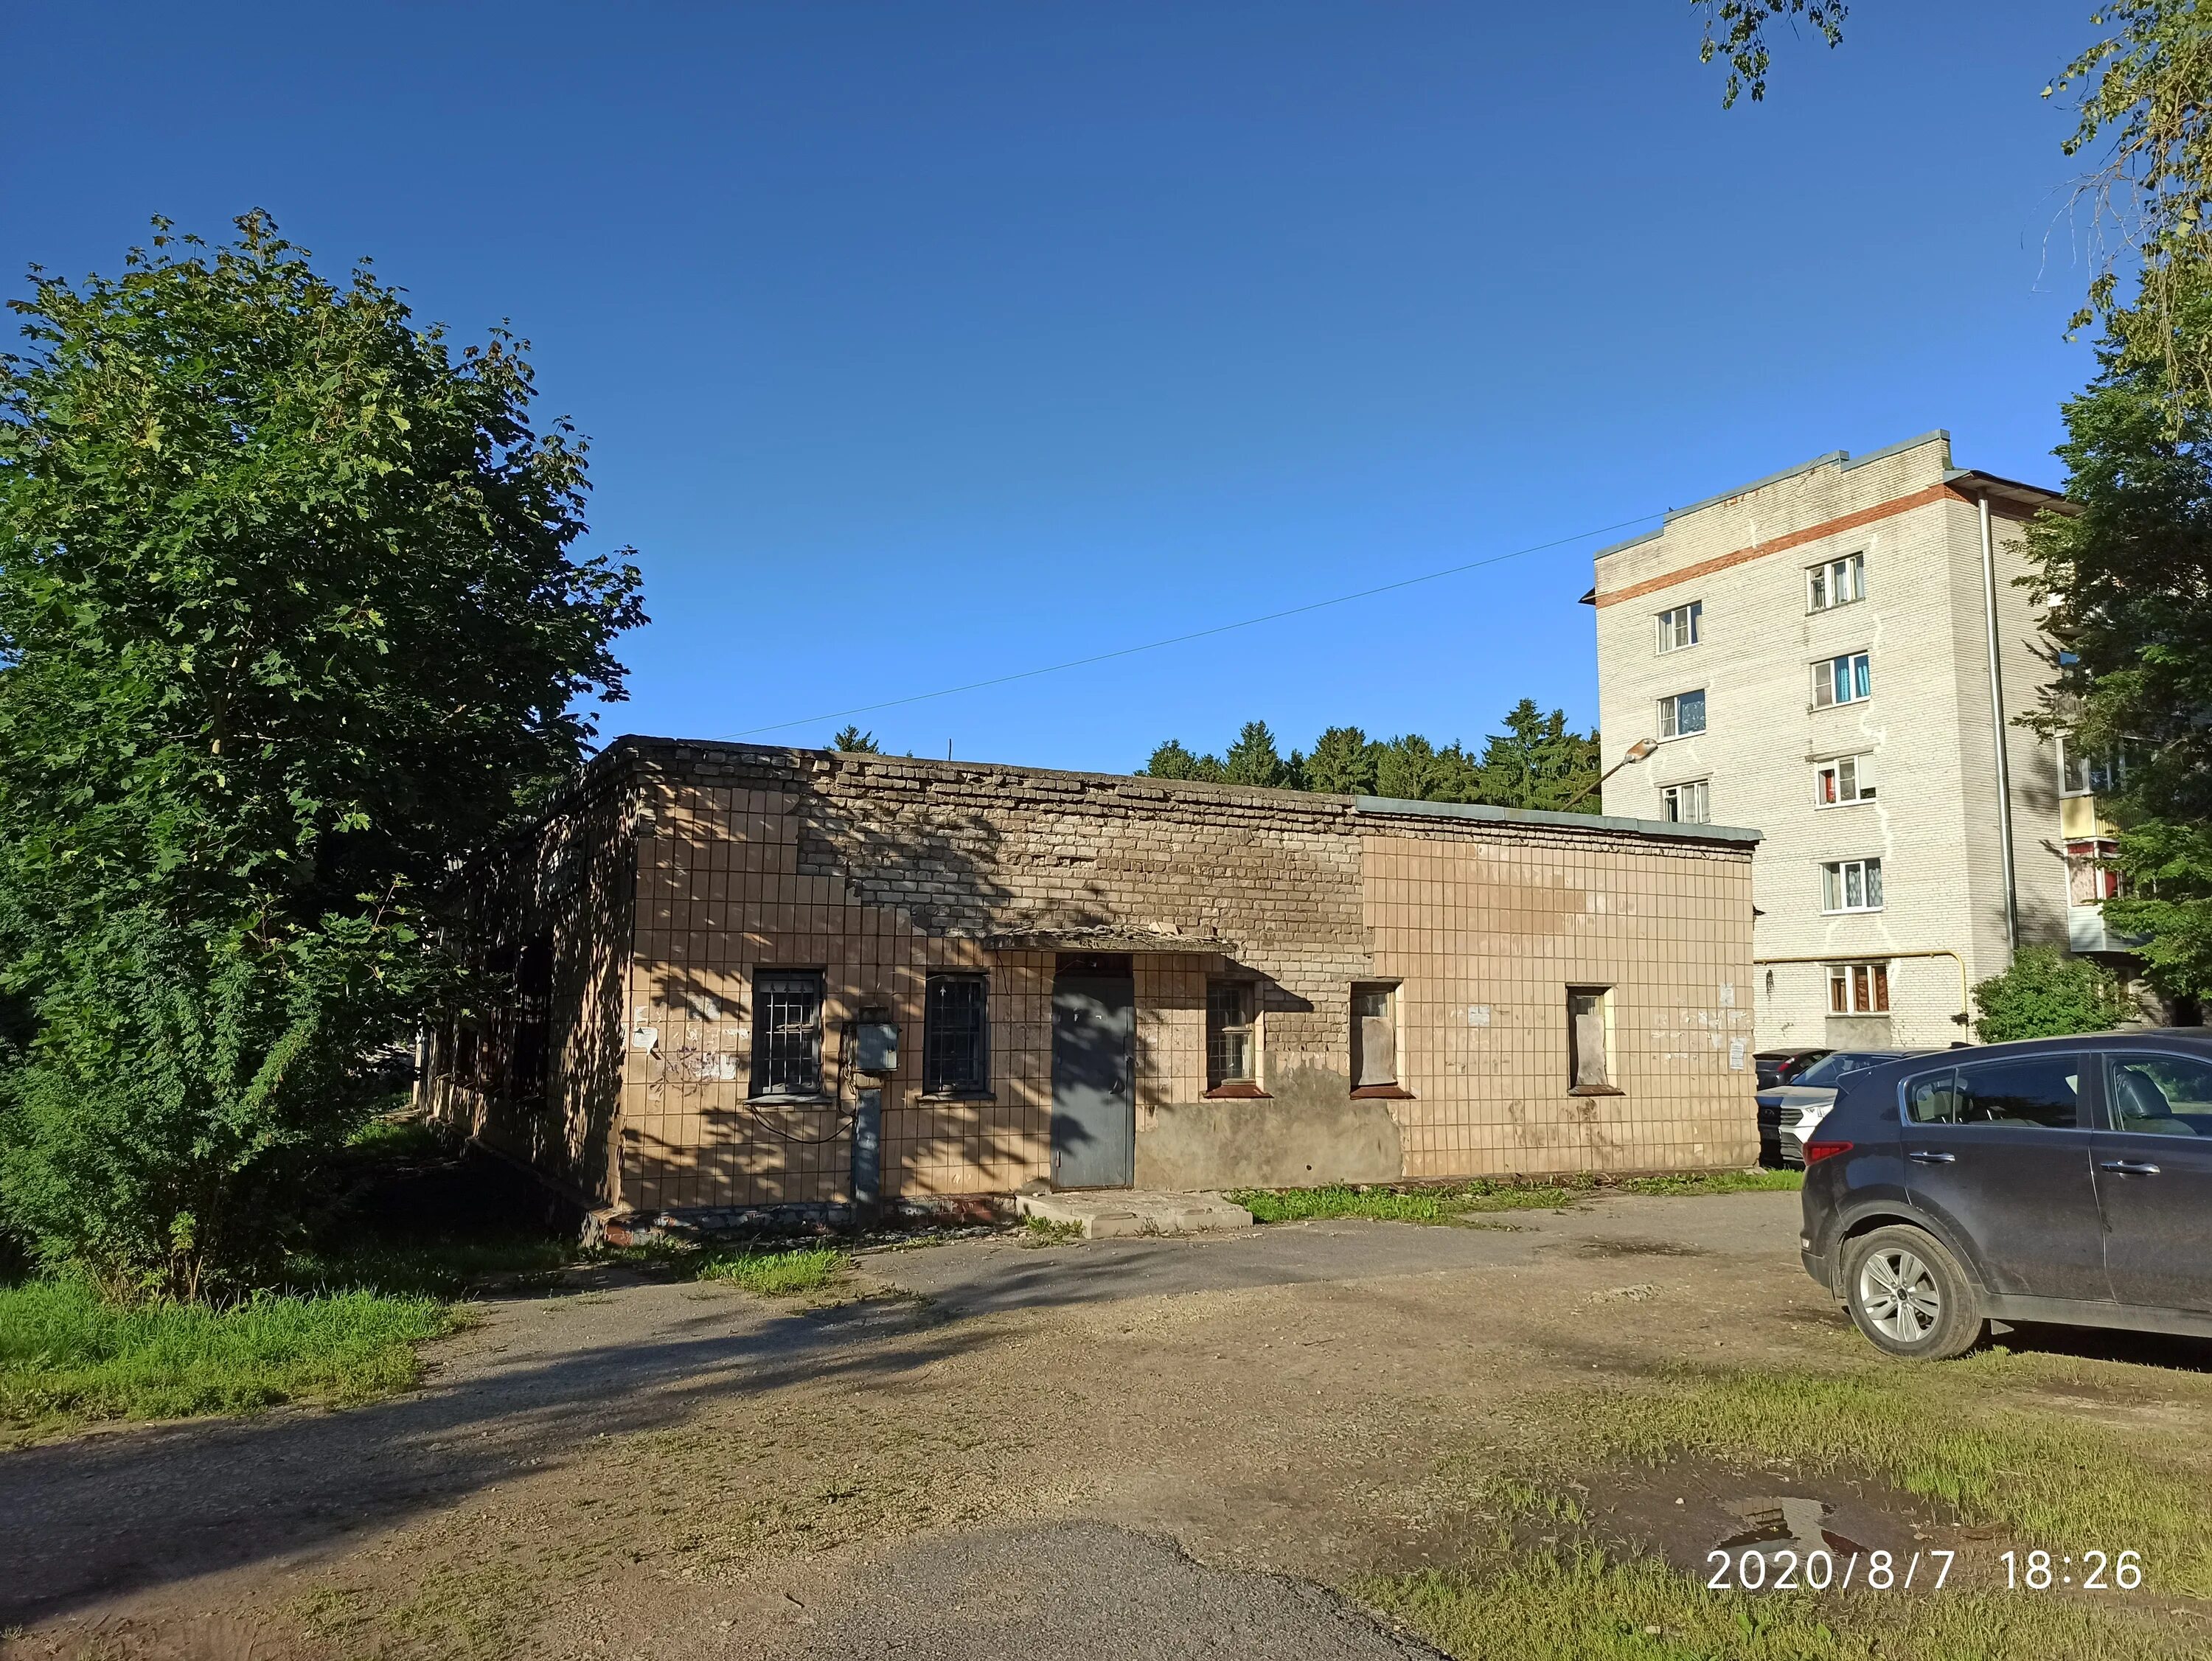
1836, 783
956, 1035
1687, 803
1858, 989
1836, 582
2081, 774
2158, 1095
1851, 885
787, 1033
1680, 627
1231, 1049
1844, 680
1374, 1037
2092, 876
1682, 714
1589, 1071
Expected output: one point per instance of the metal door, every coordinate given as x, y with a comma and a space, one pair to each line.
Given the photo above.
2153, 1157
1094, 1122
1999, 1150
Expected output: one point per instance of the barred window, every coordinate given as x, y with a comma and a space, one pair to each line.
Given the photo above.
1229, 1034
956, 1035
787, 1033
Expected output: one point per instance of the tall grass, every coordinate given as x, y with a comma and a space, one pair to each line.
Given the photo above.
68, 1356
1449, 1203
786, 1271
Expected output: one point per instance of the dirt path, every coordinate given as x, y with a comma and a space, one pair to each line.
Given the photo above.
692, 1471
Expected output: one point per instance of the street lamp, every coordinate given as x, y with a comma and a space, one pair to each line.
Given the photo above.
1637, 752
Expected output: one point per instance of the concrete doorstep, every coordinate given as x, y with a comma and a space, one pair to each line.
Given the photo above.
1122, 1213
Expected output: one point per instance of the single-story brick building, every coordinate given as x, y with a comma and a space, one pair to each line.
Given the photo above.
745, 977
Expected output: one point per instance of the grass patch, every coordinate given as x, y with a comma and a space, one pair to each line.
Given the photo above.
776, 1271
68, 1358
446, 1266
1047, 1231
1449, 1202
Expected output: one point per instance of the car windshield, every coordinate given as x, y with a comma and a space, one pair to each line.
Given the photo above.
1829, 1071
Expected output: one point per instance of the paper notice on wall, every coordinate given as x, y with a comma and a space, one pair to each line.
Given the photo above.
1735, 1055
1478, 1014
644, 1037
1727, 994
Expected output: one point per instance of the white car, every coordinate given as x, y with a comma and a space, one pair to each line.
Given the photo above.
1788, 1112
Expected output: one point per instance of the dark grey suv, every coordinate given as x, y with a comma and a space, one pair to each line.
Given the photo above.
2066, 1180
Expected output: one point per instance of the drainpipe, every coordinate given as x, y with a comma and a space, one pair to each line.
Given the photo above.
1997, 730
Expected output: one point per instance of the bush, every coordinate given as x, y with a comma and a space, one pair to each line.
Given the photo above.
2048, 993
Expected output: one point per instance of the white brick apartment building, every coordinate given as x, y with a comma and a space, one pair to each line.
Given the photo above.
1812, 653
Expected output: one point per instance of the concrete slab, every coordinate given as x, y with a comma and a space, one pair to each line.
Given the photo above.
1123, 1213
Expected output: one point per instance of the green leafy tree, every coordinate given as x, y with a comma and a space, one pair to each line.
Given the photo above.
1252, 760
290, 623
1343, 763
854, 741
1735, 30
1537, 761
1172, 760
1402, 766
2048, 993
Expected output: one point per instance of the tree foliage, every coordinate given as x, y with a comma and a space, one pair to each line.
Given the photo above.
2047, 993
289, 625
854, 741
1538, 761
1736, 30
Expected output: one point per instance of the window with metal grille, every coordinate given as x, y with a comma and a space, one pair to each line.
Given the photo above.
787, 1033
956, 1035
1851, 885
1230, 1050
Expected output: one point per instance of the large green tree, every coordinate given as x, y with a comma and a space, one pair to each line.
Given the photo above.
291, 623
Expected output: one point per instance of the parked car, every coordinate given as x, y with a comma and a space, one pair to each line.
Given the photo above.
1788, 1113
2066, 1180
1775, 1067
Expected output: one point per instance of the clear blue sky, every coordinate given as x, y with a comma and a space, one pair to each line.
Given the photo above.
926, 342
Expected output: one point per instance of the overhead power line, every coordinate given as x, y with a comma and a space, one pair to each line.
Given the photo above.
1195, 634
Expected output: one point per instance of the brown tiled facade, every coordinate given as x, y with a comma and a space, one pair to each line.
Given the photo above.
636, 927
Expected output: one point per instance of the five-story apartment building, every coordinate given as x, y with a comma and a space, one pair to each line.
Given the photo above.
1836, 655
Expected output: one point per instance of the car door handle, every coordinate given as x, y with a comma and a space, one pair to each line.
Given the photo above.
2130, 1168
1925, 1157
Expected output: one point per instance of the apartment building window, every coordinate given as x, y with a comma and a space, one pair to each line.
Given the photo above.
1589, 1069
2083, 774
1858, 989
1851, 885
1687, 803
1231, 1036
956, 1041
1836, 582
1374, 1037
1845, 680
1680, 626
2090, 875
1838, 783
1682, 714
787, 1033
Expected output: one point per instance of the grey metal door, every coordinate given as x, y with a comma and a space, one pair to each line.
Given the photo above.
1094, 1122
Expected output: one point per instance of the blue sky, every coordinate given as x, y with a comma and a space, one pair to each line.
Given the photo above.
929, 342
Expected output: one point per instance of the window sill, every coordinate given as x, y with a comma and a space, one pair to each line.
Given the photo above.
940, 1098
1856, 802
1596, 1090
1855, 911
1382, 1093
1677, 738
1241, 1090
780, 1100
1848, 703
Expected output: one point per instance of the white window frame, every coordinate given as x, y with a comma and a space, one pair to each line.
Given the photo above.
1691, 615
1670, 713
2114, 769
1670, 802
1835, 883
1820, 583
1824, 680
1863, 789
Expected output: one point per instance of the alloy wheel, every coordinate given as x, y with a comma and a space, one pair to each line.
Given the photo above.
1899, 1294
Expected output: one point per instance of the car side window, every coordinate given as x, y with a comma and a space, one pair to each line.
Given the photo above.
1933, 1098
2158, 1095
2025, 1092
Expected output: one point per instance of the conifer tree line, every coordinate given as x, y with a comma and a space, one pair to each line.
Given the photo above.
1538, 761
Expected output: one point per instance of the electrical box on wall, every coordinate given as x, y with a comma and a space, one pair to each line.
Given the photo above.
876, 1046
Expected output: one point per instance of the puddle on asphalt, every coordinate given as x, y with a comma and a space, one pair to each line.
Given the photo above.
1637, 1248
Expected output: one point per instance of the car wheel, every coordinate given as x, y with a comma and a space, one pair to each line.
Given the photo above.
1909, 1296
